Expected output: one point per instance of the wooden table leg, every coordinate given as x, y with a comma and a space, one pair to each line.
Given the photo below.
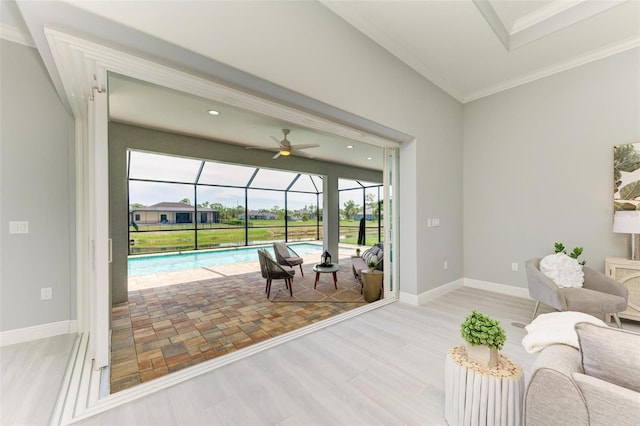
316, 281
335, 281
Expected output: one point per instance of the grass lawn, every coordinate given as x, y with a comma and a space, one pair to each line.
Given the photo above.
176, 237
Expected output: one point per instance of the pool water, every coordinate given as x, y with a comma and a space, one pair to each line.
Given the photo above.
179, 262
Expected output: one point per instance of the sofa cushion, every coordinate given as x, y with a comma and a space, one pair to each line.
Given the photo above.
610, 354
366, 255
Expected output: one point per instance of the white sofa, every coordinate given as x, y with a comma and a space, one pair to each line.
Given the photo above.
599, 384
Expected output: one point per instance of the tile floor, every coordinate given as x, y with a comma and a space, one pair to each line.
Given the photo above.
178, 319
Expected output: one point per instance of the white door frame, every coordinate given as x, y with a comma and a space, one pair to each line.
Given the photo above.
391, 188
100, 244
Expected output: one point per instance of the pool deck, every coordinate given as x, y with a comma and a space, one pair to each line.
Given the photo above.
218, 271
177, 319
179, 277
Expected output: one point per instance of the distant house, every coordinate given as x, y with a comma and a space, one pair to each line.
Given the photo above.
256, 215
358, 216
171, 213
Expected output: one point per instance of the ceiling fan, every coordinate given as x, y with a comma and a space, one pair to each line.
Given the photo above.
285, 148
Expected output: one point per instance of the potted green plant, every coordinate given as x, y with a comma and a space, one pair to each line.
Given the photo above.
372, 265
484, 337
577, 251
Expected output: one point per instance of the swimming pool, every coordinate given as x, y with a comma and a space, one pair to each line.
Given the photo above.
198, 259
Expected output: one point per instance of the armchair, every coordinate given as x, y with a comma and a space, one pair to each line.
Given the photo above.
286, 256
599, 294
272, 271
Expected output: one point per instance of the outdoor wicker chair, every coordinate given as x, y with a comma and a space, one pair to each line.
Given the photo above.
286, 256
272, 271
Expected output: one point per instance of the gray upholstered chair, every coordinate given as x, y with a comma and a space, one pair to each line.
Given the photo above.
599, 294
272, 271
286, 256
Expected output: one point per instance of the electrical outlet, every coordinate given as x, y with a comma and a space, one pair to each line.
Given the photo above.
46, 293
445, 265
429, 222
21, 227
514, 266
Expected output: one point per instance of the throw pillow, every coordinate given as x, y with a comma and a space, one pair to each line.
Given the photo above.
610, 354
555, 328
562, 270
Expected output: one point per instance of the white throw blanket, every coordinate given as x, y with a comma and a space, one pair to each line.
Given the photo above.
555, 327
563, 270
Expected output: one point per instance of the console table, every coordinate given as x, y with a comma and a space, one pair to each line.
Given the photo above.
627, 273
477, 395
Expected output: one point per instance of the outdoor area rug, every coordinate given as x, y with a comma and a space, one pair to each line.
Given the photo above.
348, 287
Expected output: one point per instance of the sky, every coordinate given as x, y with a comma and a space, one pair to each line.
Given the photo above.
175, 169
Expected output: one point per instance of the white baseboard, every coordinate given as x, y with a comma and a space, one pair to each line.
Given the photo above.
429, 295
498, 288
26, 334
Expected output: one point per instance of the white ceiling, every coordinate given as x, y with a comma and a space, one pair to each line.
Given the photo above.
476, 48
469, 48
135, 102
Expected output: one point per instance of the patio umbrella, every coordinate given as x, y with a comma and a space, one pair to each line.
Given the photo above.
361, 233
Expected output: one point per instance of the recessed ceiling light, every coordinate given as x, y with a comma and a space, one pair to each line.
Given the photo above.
369, 158
213, 112
349, 146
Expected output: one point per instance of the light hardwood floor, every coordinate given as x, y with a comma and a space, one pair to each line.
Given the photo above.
30, 377
382, 367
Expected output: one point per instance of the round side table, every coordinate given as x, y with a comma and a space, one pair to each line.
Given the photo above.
320, 269
477, 395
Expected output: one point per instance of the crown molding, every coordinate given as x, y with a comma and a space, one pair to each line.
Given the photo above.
553, 17
12, 33
557, 68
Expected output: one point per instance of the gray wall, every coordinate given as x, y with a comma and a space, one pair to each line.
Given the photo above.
36, 185
124, 136
538, 167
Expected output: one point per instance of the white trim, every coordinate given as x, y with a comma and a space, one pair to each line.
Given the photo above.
545, 20
14, 34
556, 69
148, 388
432, 294
27, 334
497, 288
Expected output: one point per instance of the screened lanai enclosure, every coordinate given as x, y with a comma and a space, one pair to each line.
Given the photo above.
181, 204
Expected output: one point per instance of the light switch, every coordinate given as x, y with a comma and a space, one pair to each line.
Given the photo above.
19, 227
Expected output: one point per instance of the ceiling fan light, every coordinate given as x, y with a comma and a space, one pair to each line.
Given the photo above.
285, 153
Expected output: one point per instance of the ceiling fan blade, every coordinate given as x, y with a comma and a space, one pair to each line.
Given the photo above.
263, 148
275, 140
276, 156
304, 146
